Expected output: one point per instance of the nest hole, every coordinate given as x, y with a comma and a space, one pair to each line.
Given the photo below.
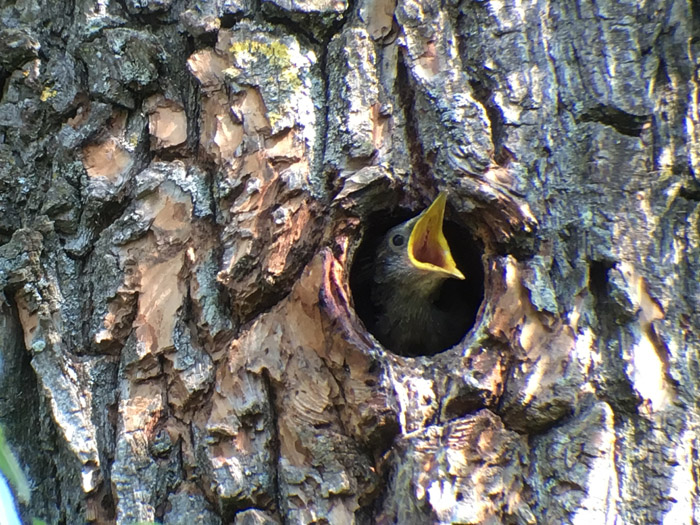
462, 297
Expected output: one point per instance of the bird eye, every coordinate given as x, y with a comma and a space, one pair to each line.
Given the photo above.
397, 240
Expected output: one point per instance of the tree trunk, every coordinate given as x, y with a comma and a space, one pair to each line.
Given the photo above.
188, 190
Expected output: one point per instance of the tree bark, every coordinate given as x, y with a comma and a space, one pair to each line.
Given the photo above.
186, 190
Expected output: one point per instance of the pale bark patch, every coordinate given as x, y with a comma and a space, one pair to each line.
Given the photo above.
109, 157
379, 17
167, 122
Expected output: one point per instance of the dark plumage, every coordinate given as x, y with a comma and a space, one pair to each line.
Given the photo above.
412, 263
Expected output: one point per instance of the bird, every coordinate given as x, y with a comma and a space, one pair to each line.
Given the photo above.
412, 263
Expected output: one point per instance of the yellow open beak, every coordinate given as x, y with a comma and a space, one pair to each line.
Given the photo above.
427, 246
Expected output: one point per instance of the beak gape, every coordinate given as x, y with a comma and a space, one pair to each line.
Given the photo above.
427, 245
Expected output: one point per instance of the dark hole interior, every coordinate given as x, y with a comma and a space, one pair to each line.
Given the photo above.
462, 296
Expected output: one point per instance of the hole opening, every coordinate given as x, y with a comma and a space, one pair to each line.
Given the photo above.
461, 299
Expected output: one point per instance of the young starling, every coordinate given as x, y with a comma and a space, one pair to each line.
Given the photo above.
412, 262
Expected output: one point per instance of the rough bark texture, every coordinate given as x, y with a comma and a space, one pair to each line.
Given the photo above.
184, 186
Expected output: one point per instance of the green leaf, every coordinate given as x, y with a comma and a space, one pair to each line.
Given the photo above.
9, 466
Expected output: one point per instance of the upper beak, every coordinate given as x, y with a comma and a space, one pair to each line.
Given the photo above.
427, 246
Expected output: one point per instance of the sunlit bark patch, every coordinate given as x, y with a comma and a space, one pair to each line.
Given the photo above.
167, 122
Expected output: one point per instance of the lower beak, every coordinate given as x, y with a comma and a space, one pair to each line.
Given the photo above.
427, 246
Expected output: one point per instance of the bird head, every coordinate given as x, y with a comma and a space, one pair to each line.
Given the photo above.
416, 252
